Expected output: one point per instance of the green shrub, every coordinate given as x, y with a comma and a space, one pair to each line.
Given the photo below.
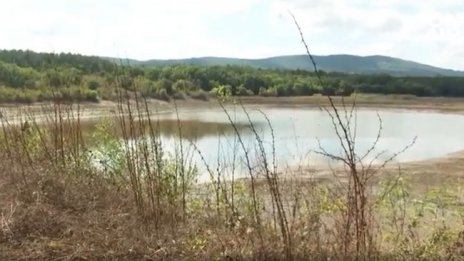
242, 91
108, 152
91, 95
222, 91
183, 86
93, 85
301, 89
271, 92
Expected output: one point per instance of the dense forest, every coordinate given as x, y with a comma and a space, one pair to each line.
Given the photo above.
27, 76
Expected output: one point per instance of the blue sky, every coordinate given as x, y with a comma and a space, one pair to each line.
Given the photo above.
427, 31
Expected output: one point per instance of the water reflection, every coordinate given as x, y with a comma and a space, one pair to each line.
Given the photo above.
191, 129
299, 134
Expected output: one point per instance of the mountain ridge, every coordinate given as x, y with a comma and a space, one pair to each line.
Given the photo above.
343, 63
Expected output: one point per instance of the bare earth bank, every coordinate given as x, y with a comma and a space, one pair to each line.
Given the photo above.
448, 167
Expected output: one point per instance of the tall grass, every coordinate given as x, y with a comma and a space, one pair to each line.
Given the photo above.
144, 202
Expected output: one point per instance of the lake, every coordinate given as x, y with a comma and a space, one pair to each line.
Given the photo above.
300, 134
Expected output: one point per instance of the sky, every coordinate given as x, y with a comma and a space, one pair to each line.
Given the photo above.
426, 31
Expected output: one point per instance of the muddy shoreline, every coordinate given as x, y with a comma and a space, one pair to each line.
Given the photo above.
450, 166
105, 108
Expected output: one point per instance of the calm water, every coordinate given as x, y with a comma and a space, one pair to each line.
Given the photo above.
300, 133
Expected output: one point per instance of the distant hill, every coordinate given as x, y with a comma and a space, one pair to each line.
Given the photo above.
332, 63
351, 64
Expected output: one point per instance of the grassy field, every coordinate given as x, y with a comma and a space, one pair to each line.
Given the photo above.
142, 203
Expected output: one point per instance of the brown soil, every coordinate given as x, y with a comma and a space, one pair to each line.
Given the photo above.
88, 220
450, 166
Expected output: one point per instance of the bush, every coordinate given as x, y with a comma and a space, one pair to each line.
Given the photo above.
24, 97
160, 94
7, 94
165, 84
107, 93
271, 92
199, 95
163, 95
183, 86
302, 89
242, 91
126, 81
222, 91
93, 85
76, 93
91, 95
15, 76
328, 90
179, 96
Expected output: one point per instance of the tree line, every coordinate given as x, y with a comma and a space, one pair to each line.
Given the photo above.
27, 76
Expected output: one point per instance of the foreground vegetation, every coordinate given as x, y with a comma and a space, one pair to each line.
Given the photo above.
73, 195
67, 194
26, 77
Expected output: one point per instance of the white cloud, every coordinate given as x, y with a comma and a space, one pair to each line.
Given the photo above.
427, 31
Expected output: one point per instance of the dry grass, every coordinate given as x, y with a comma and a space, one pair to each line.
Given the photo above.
57, 204
62, 210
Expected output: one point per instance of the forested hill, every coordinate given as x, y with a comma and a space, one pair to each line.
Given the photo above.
350, 64
43, 61
26, 77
